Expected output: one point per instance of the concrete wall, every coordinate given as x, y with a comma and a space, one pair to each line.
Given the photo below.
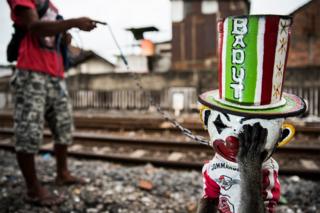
202, 80
150, 81
117, 90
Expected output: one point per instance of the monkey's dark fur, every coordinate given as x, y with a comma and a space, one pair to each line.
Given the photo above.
207, 205
250, 158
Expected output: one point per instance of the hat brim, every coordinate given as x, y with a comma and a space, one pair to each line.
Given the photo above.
294, 106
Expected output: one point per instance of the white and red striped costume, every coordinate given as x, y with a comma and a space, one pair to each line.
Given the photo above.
221, 180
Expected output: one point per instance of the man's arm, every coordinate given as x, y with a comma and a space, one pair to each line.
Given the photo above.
250, 159
29, 20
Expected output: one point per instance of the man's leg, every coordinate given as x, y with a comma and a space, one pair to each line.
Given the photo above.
36, 193
27, 167
63, 173
61, 159
58, 115
28, 126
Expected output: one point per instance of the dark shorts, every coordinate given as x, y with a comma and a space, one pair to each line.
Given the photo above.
37, 98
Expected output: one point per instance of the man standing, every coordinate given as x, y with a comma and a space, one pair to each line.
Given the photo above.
40, 92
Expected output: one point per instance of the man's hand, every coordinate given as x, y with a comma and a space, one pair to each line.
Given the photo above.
252, 142
84, 23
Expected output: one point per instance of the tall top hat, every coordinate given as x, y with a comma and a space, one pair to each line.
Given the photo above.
253, 52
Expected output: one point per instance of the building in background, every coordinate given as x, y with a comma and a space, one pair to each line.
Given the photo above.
162, 61
149, 57
87, 62
305, 36
194, 32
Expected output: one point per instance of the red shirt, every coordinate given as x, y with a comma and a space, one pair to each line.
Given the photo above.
37, 53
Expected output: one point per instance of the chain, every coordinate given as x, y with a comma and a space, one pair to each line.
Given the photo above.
165, 115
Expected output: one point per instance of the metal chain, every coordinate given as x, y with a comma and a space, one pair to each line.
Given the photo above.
165, 115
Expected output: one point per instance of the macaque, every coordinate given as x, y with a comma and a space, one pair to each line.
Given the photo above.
242, 176
245, 115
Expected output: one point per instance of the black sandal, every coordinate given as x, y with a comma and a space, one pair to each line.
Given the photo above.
47, 201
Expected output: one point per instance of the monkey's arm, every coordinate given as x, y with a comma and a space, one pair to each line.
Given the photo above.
208, 205
211, 191
250, 158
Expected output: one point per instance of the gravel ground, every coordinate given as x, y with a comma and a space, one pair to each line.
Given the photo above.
121, 189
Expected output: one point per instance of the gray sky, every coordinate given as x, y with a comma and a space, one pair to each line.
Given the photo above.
121, 14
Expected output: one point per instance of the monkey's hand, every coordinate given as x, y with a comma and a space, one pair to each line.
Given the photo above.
250, 158
252, 142
208, 205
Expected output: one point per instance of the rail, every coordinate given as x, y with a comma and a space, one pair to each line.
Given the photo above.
294, 160
100, 122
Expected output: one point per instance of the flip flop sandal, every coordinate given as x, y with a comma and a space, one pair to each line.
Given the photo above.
49, 200
76, 181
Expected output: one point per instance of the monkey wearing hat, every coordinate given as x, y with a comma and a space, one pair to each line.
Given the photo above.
245, 116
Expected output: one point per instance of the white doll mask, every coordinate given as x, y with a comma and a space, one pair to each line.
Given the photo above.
224, 127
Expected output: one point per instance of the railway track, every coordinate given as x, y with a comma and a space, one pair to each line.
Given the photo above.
147, 123
293, 160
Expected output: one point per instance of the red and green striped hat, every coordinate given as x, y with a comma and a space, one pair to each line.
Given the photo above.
253, 52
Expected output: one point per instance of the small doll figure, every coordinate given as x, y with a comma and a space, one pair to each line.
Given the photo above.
245, 116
